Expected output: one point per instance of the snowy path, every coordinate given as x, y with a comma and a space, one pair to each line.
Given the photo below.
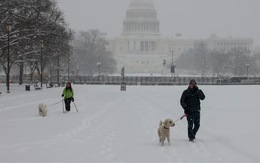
114, 126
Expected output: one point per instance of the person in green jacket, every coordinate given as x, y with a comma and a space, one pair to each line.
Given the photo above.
68, 96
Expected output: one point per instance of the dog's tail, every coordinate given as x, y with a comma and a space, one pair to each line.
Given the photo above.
161, 123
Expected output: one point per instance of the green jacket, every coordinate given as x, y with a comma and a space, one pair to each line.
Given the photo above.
67, 93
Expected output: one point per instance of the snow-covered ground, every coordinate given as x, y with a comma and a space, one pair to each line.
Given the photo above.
114, 126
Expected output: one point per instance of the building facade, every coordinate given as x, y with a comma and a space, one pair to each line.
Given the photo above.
215, 43
142, 49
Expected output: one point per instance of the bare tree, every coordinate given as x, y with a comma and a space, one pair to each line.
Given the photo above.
218, 63
238, 59
89, 50
236, 62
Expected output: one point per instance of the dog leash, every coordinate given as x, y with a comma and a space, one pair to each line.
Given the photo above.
56, 103
184, 115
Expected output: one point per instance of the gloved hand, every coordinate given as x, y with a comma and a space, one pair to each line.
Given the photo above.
72, 99
62, 95
186, 111
196, 88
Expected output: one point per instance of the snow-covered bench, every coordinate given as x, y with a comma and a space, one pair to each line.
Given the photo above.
57, 85
36, 87
49, 85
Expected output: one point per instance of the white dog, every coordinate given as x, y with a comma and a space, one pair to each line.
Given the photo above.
164, 130
42, 110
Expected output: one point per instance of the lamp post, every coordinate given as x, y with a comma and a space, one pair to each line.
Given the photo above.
172, 67
163, 69
58, 71
68, 68
172, 58
164, 63
8, 29
99, 67
41, 44
247, 67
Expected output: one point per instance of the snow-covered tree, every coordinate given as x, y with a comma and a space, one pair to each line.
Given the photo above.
218, 63
89, 50
235, 62
33, 21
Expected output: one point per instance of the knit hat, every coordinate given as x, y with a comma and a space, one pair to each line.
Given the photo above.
192, 81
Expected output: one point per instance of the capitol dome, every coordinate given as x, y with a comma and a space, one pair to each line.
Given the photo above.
141, 19
144, 4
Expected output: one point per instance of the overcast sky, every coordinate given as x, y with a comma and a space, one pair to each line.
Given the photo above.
192, 18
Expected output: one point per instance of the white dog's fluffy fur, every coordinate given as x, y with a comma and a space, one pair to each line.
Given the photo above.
164, 130
42, 110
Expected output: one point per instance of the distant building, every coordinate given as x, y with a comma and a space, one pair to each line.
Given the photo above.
225, 44
142, 49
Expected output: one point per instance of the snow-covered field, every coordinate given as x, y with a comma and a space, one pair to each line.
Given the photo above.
114, 126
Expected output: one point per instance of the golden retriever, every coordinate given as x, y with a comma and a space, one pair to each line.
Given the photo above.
164, 130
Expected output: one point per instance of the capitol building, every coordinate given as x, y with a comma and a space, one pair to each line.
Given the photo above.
142, 49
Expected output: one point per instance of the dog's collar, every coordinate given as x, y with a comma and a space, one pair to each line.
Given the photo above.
166, 128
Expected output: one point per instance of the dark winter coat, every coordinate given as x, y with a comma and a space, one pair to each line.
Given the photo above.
190, 100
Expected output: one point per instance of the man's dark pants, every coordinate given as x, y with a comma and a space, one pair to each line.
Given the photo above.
193, 124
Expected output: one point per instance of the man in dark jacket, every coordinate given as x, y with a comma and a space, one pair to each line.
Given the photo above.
190, 102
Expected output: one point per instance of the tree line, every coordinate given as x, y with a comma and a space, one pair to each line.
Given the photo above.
37, 26
235, 62
90, 54
40, 38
